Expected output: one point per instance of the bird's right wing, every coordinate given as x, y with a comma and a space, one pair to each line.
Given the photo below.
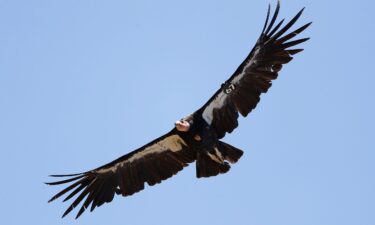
152, 163
241, 92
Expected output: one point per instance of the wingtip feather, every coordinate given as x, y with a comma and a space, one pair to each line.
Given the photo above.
66, 175
267, 18
294, 51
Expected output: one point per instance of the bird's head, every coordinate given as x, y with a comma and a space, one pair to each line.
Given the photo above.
182, 125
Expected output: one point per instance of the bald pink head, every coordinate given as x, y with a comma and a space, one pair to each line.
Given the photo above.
182, 125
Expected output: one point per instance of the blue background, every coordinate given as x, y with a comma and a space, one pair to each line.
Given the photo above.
84, 82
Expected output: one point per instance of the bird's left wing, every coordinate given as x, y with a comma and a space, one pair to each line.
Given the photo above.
152, 163
241, 92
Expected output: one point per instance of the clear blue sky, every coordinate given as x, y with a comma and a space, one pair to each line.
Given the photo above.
83, 82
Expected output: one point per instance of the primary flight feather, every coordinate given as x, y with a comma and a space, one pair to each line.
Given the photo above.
197, 136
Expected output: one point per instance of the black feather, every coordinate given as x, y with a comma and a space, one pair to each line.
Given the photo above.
276, 13
287, 26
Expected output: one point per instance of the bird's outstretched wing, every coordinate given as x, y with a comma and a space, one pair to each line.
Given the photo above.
152, 163
241, 92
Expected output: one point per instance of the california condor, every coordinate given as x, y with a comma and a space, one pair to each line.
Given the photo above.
195, 137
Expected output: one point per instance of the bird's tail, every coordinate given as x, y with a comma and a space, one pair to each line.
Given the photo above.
215, 161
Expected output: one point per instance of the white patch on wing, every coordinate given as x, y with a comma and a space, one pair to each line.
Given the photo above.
219, 100
172, 143
238, 78
217, 103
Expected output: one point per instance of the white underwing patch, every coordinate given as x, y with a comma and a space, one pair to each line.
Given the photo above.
219, 100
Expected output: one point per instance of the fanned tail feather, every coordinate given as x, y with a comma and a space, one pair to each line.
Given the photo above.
215, 162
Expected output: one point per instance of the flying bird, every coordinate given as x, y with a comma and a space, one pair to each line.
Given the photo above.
195, 137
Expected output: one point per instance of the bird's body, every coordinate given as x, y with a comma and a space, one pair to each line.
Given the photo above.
200, 134
196, 137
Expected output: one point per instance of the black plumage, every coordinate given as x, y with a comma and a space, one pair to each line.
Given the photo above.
196, 137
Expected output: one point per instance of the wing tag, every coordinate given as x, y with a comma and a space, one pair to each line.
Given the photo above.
228, 88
